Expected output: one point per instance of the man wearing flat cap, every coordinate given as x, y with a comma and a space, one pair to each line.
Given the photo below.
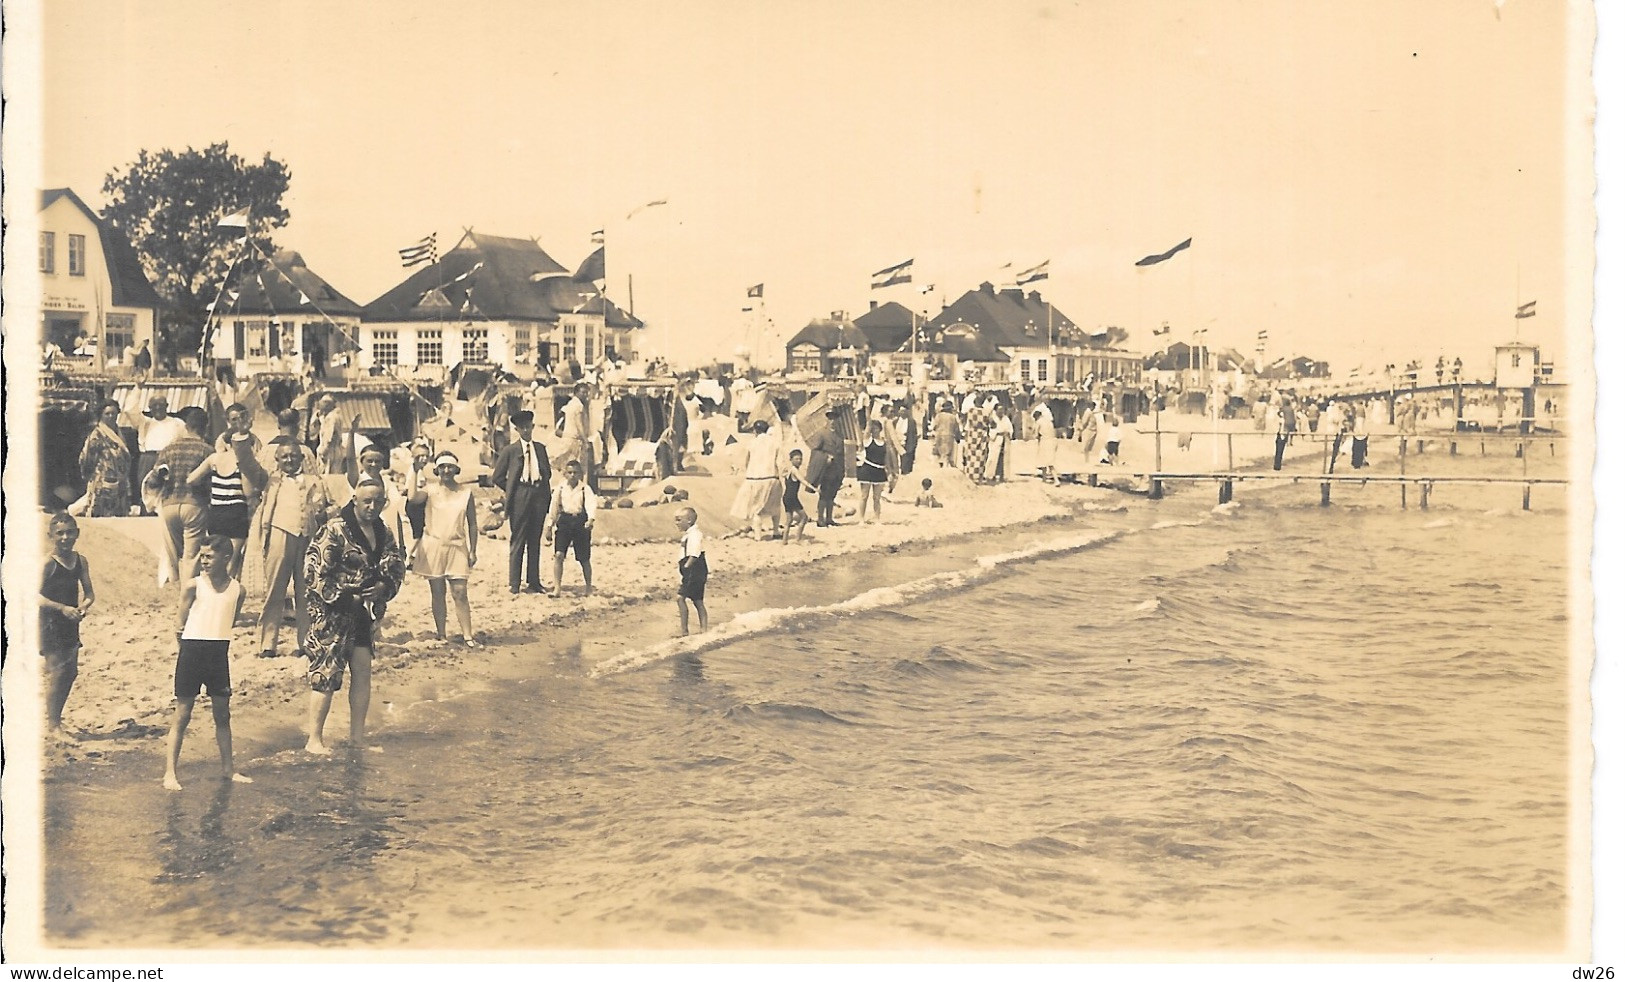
523, 473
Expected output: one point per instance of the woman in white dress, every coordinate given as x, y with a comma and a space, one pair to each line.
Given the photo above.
1044, 427
447, 550
761, 496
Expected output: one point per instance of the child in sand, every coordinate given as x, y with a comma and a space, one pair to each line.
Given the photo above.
926, 499
795, 514
209, 606
61, 609
692, 568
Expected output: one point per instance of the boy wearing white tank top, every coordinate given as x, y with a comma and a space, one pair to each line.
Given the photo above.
209, 607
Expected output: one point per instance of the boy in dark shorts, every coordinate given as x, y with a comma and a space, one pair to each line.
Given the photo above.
692, 568
209, 607
569, 525
62, 607
795, 514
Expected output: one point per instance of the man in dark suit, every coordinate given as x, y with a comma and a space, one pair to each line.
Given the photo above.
908, 433
523, 473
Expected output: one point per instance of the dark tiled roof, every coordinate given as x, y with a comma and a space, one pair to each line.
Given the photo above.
1009, 318
130, 285
263, 291
827, 335
887, 326
516, 280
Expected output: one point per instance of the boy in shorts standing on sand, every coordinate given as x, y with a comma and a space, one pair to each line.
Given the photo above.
692, 568
65, 595
209, 607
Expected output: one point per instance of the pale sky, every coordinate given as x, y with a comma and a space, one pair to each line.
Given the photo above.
1369, 181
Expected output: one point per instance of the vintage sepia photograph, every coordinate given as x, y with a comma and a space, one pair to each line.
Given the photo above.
1105, 481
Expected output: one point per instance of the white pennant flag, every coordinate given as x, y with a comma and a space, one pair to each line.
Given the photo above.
233, 295
302, 298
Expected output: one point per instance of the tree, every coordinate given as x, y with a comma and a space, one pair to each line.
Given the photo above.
170, 203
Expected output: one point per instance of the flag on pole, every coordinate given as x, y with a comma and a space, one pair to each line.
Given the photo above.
1152, 260
892, 275
1164, 329
755, 291
237, 219
1039, 272
1525, 310
419, 252
598, 237
928, 288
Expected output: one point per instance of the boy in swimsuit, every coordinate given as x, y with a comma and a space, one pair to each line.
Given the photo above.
692, 568
209, 607
65, 598
795, 515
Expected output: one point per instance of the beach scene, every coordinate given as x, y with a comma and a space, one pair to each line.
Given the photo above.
1086, 484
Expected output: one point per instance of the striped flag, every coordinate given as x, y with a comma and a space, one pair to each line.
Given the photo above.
1164, 329
1039, 272
419, 252
598, 237
1525, 310
755, 291
892, 275
1152, 260
237, 219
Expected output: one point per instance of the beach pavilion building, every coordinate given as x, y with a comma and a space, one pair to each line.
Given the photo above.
497, 302
1038, 343
280, 316
92, 286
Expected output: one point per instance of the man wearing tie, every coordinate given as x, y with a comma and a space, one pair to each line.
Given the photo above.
523, 473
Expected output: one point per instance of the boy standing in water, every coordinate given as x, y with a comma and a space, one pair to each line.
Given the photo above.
209, 607
692, 568
62, 607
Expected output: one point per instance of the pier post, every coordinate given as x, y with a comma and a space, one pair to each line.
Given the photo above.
1526, 489
1426, 487
1452, 448
1156, 489
1325, 494
1227, 491
1230, 451
1094, 479
1403, 492
1520, 448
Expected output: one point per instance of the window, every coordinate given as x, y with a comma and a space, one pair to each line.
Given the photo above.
386, 348
569, 341
1043, 369
1515, 359
586, 344
804, 358
430, 349
1026, 369
47, 252
118, 336
476, 344
521, 344
76, 255
254, 333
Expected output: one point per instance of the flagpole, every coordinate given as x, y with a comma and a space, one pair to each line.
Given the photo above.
208, 336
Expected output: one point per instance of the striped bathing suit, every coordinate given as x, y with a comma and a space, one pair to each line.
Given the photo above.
228, 504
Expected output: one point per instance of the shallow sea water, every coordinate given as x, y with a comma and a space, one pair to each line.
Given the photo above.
1272, 728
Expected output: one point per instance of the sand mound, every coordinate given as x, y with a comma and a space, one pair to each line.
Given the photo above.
123, 559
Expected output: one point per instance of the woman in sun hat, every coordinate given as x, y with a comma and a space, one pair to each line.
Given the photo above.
447, 550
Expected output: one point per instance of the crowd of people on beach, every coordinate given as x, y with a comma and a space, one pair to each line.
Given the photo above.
275, 521
335, 552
